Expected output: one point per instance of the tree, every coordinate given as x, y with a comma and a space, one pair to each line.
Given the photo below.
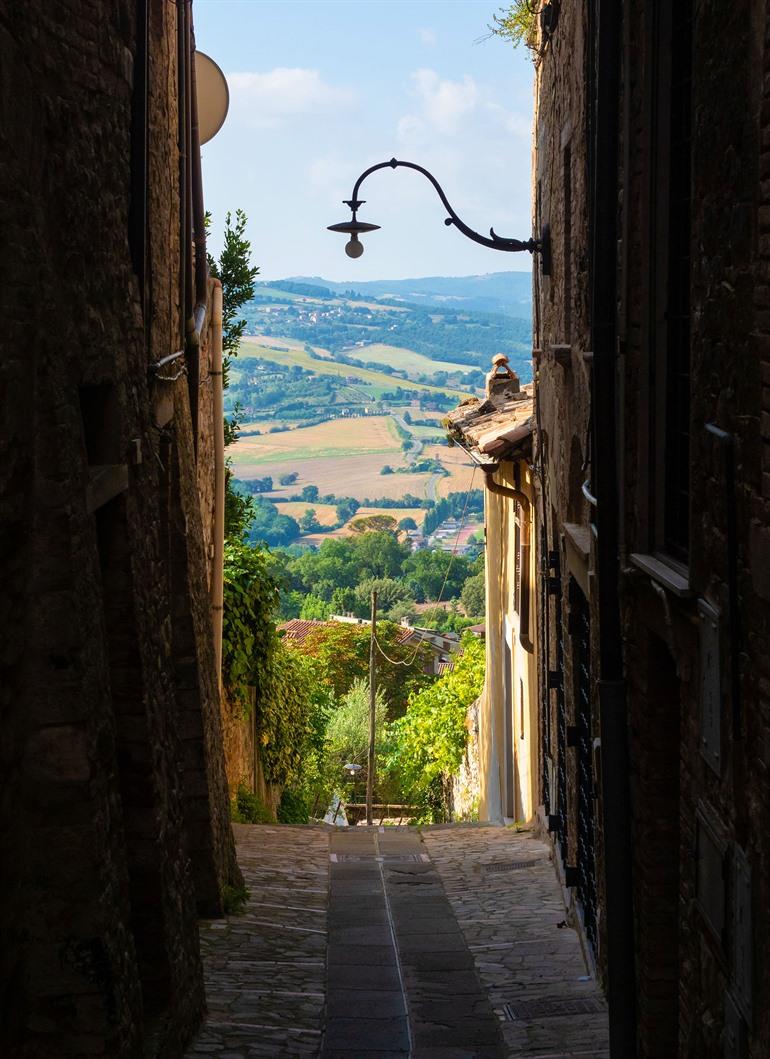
288, 479
308, 522
343, 600
309, 494
314, 609
340, 653
237, 275
378, 554
386, 469
473, 595
389, 592
347, 733
268, 525
375, 524
346, 509
239, 508
407, 523
433, 571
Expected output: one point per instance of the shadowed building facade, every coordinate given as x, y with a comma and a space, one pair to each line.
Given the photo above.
113, 800
652, 452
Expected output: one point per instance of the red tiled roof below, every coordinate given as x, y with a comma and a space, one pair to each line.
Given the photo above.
298, 629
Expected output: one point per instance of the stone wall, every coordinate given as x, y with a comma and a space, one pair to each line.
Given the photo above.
563, 540
718, 780
113, 810
696, 621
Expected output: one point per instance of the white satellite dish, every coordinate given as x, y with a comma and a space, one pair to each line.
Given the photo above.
213, 96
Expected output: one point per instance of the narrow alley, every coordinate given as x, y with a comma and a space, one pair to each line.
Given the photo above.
445, 942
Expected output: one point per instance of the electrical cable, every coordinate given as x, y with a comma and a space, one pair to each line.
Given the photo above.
423, 636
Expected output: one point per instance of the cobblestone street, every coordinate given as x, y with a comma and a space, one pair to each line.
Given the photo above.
437, 943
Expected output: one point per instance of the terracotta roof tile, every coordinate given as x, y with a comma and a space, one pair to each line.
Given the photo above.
299, 629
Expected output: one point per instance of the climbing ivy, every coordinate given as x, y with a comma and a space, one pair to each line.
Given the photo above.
248, 634
287, 693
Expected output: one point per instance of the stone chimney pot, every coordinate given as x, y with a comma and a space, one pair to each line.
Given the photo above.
502, 381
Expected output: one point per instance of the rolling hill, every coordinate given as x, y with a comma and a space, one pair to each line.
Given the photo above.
496, 292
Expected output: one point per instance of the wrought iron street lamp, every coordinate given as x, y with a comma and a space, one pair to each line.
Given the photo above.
355, 228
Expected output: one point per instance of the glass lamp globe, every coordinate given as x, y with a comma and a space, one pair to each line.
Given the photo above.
354, 247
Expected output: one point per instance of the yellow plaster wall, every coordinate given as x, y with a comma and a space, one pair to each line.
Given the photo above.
516, 747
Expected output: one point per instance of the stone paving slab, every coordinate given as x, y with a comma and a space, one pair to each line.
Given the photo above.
514, 924
426, 959
265, 970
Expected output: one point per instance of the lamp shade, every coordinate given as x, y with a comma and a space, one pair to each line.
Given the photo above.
353, 227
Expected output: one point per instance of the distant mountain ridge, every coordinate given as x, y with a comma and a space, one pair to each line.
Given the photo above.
496, 292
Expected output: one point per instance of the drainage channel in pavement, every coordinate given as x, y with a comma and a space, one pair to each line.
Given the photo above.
401, 978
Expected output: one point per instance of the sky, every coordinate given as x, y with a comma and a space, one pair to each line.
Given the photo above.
322, 89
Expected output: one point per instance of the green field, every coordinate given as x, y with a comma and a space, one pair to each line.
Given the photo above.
403, 359
377, 380
284, 296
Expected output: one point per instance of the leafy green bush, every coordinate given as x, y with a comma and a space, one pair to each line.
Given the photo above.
517, 23
248, 808
347, 734
289, 694
293, 808
248, 635
234, 899
426, 745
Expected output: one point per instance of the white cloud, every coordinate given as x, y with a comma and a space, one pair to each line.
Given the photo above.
444, 107
518, 124
444, 104
428, 37
273, 98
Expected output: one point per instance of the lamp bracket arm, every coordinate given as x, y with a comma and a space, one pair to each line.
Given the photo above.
495, 242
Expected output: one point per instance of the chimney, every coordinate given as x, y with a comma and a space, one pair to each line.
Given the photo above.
502, 381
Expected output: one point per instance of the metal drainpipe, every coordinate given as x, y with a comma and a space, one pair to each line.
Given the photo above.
198, 212
193, 318
217, 574
616, 804
181, 146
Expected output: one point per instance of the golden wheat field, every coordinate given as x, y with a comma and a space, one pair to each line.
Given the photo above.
460, 468
375, 435
356, 476
325, 513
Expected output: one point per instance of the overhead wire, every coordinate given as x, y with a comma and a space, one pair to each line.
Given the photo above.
453, 553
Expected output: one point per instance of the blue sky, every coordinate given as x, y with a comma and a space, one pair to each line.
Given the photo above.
321, 90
